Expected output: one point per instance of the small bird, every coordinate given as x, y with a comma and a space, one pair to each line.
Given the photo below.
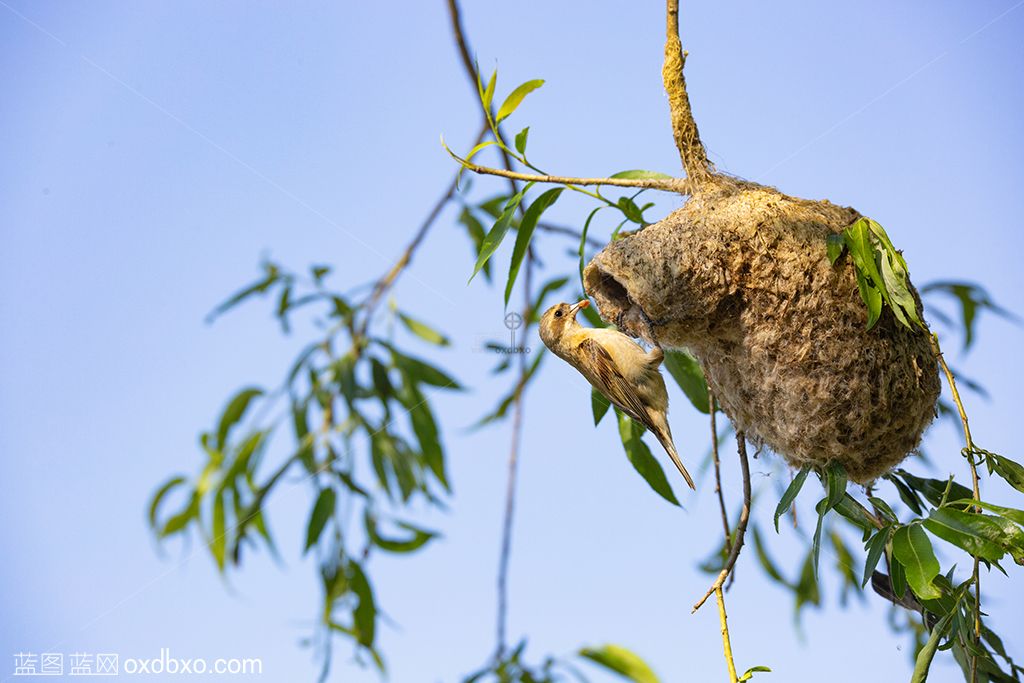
616, 366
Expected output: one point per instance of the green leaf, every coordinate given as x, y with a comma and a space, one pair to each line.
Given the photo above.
526, 227
283, 304
835, 487
807, 590
640, 456
897, 577
875, 546
583, 239
1009, 470
322, 511
521, 138
966, 530
902, 302
835, 477
258, 287
513, 101
769, 566
179, 521
907, 494
912, 548
424, 426
686, 371
161, 493
486, 93
599, 404
883, 509
641, 175
479, 147
855, 513
218, 537
749, 673
420, 371
630, 210
822, 509
972, 299
234, 412
497, 233
364, 616
791, 493
419, 537
621, 661
834, 246
476, 232
423, 331
927, 653
1012, 514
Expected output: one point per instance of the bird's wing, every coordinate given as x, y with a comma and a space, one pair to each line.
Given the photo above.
603, 373
626, 352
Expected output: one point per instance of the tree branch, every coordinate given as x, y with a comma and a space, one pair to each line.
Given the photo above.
741, 526
679, 185
510, 490
718, 473
726, 643
684, 128
388, 279
968, 451
568, 232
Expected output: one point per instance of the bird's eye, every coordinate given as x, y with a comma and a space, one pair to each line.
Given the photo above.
558, 314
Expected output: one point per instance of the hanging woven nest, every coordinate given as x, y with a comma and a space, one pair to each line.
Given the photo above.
741, 278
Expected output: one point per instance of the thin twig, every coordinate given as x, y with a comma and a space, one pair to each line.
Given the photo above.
568, 232
679, 185
969, 452
470, 67
388, 279
510, 490
684, 128
718, 472
726, 644
741, 526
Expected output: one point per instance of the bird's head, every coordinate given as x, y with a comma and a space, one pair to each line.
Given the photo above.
557, 321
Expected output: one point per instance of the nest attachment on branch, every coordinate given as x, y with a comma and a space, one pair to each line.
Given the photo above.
740, 277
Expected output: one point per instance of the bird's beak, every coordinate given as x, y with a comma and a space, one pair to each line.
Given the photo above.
575, 308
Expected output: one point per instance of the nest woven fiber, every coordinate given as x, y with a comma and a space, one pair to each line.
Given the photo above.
740, 277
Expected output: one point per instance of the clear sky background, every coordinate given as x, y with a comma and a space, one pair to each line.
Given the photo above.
152, 152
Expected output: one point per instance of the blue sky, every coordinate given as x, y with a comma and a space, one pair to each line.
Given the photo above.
153, 152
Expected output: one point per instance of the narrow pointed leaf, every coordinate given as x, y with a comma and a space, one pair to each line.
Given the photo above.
621, 661
322, 511
642, 460
526, 227
515, 98
599, 405
791, 493
686, 371
497, 233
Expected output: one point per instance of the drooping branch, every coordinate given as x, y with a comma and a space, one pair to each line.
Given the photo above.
513, 467
712, 407
741, 525
684, 128
969, 452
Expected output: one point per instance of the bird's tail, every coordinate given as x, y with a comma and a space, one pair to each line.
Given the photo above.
665, 437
